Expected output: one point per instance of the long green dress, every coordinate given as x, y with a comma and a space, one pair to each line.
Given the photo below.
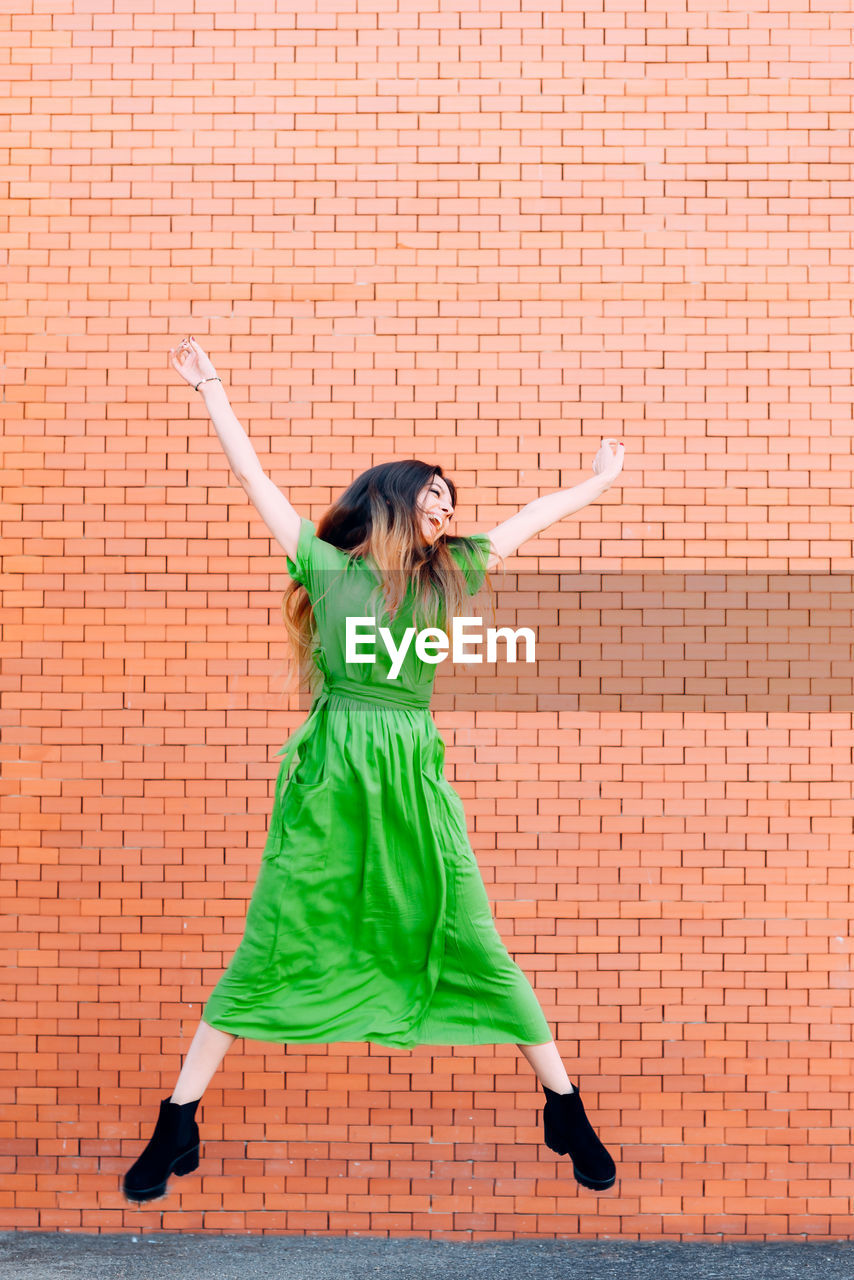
369, 920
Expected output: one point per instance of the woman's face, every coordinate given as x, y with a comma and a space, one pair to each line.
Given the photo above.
436, 508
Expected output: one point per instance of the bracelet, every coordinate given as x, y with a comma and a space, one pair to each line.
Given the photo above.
198, 384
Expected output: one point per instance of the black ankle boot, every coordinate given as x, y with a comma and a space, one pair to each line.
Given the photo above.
173, 1148
569, 1132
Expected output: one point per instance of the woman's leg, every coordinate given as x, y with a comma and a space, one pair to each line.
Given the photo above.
204, 1055
566, 1129
548, 1065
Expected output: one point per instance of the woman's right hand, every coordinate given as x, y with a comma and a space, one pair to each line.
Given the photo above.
607, 464
191, 361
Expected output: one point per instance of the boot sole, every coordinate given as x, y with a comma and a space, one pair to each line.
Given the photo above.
593, 1184
187, 1162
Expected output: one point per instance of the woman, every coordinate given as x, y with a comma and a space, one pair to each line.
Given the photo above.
369, 919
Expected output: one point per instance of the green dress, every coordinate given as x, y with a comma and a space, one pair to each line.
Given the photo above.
369, 919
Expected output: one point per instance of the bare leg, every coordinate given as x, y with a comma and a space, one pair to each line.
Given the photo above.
548, 1065
204, 1055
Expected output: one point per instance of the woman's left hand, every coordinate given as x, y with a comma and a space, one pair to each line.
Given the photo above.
191, 361
607, 464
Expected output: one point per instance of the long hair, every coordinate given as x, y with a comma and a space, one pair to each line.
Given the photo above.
377, 520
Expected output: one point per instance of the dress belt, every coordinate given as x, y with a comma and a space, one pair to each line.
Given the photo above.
393, 695
349, 689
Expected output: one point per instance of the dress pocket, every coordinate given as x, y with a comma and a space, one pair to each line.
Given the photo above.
310, 767
433, 768
443, 800
305, 805
302, 780
301, 822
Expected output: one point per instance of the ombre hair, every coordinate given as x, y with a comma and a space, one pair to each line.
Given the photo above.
377, 520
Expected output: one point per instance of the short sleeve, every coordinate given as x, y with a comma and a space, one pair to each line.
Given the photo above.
472, 556
315, 559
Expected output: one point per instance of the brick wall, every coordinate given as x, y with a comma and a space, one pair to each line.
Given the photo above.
489, 235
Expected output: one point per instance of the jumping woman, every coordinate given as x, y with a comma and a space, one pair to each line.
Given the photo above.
369, 920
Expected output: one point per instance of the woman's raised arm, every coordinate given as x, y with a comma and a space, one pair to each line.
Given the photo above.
542, 512
280, 517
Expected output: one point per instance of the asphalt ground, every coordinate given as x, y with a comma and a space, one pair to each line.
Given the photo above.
74, 1256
